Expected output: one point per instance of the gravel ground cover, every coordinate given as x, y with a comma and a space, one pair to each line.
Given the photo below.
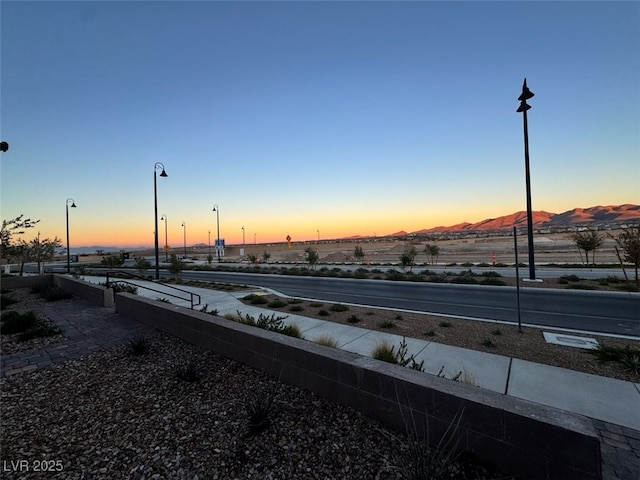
114, 415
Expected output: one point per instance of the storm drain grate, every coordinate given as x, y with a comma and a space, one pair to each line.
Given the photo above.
570, 340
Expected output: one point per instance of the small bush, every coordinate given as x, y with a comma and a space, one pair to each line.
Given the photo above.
55, 294
14, 322
430, 333
139, 345
296, 308
254, 299
259, 409
327, 341
465, 280
488, 343
387, 324
119, 287
323, 313
353, 319
188, 371
339, 307
496, 331
385, 351
40, 330
628, 357
6, 300
316, 304
277, 303
445, 324
291, 331
570, 278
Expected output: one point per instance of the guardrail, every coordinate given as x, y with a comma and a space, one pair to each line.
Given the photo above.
192, 296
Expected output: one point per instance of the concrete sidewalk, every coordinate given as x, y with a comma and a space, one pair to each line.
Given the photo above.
607, 399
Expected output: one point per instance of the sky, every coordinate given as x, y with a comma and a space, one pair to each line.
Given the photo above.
311, 119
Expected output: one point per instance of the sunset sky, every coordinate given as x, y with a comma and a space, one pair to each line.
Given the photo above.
343, 118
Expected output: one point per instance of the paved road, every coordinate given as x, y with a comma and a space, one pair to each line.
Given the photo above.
607, 312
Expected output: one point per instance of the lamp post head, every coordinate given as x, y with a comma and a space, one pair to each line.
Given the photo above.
73, 204
215, 208
524, 96
160, 165
4, 146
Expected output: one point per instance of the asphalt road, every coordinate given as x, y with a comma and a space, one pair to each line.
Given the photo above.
606, 312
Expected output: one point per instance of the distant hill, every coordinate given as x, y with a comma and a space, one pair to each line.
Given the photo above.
611, 214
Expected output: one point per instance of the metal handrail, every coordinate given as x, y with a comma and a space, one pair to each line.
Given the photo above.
191, 294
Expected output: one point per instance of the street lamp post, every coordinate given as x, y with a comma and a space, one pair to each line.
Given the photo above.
243, 235
155, 213
524, 96
209, 242
73, 205
217, 210
166, 240
184, 227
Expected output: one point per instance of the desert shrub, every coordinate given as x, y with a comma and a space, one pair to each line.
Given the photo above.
339, 307
327, 341
260, 408
316, 304
430, 333
293, 301
491, 274
464, 279
6, 300
41, 329
387, 353
570, 278
445, 324
628, 357
467, 264
139, 345
387, 324
54, 294
188, 371
353, 319
205, 309
493, 281
291, 331
496, 331
14, 322
323, 313
254, 299
296, 308
487, 342
277, 303
384, 351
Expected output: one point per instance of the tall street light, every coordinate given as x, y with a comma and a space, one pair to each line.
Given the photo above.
155, 212
184, 227
524, 96
209, 242
166, 241
217, 210
243, 235
72, 205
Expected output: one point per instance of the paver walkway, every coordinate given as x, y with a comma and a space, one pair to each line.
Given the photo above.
86, 328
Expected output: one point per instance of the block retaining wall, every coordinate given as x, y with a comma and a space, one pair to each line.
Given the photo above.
517, 436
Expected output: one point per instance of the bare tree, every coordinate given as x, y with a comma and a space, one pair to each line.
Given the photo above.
311, 256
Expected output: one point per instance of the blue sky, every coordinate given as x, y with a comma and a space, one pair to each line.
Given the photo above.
296, 117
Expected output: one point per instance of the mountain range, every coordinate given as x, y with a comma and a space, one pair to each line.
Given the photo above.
611, 214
